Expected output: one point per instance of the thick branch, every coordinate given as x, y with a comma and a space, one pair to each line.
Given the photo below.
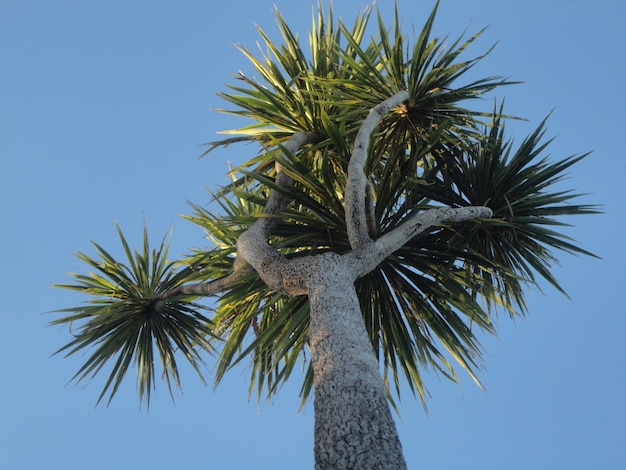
277, 201
252, 245
357, 181
367, 257
253, 251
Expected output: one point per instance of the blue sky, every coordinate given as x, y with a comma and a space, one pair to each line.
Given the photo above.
104, 107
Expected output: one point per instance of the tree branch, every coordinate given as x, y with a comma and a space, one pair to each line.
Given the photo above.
276, 201
252, 245
209, 288
356, 184
367, 257
253, 251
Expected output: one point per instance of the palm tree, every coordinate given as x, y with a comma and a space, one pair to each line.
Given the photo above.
379, 228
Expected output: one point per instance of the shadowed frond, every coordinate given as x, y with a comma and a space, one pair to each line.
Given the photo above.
523, 187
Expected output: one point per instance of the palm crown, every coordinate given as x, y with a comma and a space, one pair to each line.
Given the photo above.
423, 304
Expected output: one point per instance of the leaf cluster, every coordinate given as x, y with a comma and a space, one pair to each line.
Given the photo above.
125, 320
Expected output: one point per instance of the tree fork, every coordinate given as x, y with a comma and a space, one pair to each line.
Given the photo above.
354, 428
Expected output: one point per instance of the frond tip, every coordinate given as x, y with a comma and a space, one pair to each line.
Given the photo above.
125, 319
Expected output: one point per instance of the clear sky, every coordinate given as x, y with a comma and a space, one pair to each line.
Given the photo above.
104, 107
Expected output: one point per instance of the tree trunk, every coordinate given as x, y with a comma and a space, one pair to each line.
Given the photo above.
354, 428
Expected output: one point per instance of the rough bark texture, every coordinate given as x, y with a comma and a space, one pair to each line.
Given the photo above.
366, 257
356, 185
353, 424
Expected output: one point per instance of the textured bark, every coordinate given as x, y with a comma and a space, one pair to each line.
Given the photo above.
353, 424
354, 428
365, 258
240, 270
252, 245
356, 185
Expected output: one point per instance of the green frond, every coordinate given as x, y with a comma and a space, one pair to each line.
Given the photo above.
124, 322
521, 186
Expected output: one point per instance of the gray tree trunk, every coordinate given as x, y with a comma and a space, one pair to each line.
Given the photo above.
354, 428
